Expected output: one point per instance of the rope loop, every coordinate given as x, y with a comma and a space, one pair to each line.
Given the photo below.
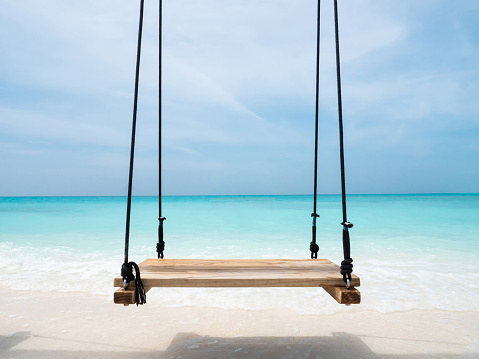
347, 269
128, 276
160, 247
314, 248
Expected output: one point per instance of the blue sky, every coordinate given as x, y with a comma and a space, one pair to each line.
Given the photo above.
238, 105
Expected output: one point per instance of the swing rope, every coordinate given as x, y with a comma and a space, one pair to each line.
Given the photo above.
347, 263
126, 269
160, 246
313, 246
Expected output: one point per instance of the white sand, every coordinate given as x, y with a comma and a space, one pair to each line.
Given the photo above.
77, 325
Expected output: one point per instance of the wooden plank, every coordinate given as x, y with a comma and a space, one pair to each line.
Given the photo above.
126, 297
202, 264
240, 273
344, 295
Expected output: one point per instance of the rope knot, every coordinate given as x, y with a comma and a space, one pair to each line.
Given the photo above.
128, 276
347, 269
314, 248
160, 247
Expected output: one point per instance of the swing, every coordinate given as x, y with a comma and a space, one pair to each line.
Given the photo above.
136, 280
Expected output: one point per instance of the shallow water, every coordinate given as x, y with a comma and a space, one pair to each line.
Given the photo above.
411, 251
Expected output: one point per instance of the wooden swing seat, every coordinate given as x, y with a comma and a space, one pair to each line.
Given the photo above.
219, 273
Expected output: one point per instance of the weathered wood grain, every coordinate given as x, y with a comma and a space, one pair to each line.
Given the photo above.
240, 273
125, 297
344, 295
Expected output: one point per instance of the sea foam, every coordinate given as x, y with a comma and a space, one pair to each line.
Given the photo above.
402, 268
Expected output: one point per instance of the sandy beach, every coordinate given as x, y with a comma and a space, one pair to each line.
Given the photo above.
79, 325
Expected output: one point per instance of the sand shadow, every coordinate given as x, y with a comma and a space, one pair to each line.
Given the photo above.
9, 341
339, 345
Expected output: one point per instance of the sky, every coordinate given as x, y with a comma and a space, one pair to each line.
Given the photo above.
238, 97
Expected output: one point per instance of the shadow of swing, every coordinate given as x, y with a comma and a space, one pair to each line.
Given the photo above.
339, 345
9, 341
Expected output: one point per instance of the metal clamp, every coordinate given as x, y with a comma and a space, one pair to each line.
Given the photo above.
347, 225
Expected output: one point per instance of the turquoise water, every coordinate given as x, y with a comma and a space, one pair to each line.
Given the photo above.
411, 251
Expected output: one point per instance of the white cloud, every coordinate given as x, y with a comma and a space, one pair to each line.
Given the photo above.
40, 126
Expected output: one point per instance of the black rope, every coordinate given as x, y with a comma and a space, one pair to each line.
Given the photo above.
160, 246
133, 133
126, 271
128, 276
347, 263
313, 246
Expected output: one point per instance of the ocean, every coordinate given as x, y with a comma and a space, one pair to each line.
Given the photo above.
411, 251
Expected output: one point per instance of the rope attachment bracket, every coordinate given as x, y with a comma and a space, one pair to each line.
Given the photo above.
347, 225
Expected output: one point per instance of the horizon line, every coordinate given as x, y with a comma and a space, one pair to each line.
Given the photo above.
251, 195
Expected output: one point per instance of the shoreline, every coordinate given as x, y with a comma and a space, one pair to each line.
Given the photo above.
81, 325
